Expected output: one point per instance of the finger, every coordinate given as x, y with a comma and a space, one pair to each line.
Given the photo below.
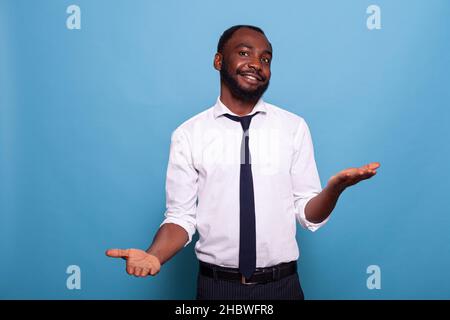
137, 272
357, 176
117, 253
154, 271
144, 272
366, 175
353, 173
372, 166
130, 270
354, 176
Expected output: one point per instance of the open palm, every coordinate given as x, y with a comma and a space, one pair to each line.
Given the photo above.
139, 262
351, 176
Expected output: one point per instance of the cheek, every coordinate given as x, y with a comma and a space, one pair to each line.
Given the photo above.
239, 65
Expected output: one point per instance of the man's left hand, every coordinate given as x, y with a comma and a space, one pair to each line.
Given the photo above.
351, 176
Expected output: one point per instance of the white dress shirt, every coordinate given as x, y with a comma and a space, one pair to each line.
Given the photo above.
202, 185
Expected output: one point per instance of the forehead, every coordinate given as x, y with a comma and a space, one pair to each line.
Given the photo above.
249, 37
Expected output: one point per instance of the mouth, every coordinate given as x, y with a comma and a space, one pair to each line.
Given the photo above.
251, 77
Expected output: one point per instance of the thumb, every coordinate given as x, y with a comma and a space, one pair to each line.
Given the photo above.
117, 253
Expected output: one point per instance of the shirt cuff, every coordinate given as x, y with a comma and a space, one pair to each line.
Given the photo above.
189, 227
301, 216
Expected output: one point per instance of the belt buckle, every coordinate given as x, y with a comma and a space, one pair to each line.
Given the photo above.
244, 281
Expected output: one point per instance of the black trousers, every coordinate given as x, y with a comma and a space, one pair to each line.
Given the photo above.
288, 288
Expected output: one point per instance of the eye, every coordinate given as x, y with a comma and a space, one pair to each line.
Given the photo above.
243, 53
265, 60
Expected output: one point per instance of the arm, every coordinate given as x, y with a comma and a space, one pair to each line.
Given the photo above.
169, 239
179, 226
320, 207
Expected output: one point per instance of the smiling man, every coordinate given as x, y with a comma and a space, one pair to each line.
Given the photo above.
242, 173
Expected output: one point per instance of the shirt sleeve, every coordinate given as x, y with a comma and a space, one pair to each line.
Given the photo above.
304, 175
181, 185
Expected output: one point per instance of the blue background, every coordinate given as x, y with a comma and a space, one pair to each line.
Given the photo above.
86, 117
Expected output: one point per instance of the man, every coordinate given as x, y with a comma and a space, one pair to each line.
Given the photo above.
242, 187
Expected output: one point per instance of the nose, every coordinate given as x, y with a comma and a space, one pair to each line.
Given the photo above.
255, 64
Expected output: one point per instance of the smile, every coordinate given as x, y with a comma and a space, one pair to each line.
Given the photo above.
250, 78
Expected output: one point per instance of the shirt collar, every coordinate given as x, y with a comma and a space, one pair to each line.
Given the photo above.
220, 108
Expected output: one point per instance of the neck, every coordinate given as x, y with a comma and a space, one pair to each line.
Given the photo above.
236, 105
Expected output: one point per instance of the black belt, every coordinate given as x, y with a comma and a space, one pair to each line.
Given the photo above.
261, 275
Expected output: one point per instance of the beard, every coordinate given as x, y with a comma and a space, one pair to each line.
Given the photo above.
237, 90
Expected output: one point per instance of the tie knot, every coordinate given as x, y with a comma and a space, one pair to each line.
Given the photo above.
245, 120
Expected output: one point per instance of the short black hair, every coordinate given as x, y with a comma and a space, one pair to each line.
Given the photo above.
226, 35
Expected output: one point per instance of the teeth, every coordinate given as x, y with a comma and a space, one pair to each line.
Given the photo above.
251, 77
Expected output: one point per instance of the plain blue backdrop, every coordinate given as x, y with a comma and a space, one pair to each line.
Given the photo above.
86, 117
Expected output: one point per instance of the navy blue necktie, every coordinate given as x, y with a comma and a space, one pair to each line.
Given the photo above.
247, 230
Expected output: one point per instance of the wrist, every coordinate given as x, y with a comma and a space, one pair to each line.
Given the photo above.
334, 190
155, 254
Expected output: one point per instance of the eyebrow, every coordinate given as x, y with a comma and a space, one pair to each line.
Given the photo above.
242, 44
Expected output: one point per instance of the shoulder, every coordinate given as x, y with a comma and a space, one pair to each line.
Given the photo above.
190, 125
287, 118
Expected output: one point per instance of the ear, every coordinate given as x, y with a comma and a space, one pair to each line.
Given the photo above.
218, 61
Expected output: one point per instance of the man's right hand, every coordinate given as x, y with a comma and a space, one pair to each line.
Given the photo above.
139, 262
